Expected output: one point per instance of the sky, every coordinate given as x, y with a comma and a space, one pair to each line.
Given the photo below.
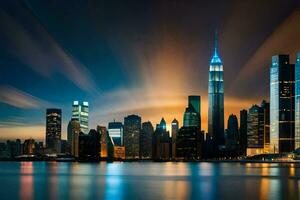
134, 57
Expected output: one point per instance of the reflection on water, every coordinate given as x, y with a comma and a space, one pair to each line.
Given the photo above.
146, 180
26, 180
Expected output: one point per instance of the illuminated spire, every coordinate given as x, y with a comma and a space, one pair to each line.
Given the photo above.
215, 59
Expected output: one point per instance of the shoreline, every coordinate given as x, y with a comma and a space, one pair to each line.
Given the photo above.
153, 161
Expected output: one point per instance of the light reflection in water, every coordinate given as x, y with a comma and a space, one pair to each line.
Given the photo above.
81, 181
113, 181
176, 189
140, 180
26, 190
53, 183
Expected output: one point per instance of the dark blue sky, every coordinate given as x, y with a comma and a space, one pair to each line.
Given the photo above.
140, 57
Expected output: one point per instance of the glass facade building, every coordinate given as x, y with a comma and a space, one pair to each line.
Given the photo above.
216, 101
282, 124
297, 102
80, 112
255, 127
174, 131
53, 129
146, 140
191, 117
132, 130
115, 130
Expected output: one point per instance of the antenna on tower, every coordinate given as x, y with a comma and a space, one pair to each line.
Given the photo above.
216, 42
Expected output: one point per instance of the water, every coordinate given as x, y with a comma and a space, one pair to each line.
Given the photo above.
147, 180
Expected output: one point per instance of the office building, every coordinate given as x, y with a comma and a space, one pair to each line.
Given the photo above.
161, 149
132, 130
243, 132
115, 130
282, 103
188, 143
146, 140
80, 112
266, 107
255, 130
53, 129
73, 131
174, 131
232, 132
297, 102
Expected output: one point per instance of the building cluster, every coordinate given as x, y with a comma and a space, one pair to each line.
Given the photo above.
269, 128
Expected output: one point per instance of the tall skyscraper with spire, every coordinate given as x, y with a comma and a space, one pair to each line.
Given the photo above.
216, 100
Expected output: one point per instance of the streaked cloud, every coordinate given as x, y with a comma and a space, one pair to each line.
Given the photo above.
284, 40
38, 50
17, 98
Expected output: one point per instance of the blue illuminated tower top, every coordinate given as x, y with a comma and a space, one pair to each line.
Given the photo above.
216, 59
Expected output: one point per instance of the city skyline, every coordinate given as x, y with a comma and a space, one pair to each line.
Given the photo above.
140, 85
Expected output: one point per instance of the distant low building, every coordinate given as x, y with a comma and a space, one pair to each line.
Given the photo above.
119, 153
29, 147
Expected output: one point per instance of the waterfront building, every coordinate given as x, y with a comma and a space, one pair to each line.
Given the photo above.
282, 96
161, 149
29, 147
53, 129
73, 131
216, 102
191, 117
255, 130
243, 132
80, 112
232, 133
132, 129
107, 143
115, 130
297, 102
119, 153
146, 140
188, 143
89, 146
174, 131
195, 102
266, 107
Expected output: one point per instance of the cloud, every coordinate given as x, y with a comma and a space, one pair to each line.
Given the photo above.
284, 40
38, 50
17, 98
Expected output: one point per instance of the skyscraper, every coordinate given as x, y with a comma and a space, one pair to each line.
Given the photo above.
72, 136
195, 101
73, 126
191, 117
53, 129
232, 132
216, 101
282, 101
297, 102
188, 143
146, 140
174, 131
132, 129
255, 130
243, 132
80, 112
161, 142
115, 130
266, 107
